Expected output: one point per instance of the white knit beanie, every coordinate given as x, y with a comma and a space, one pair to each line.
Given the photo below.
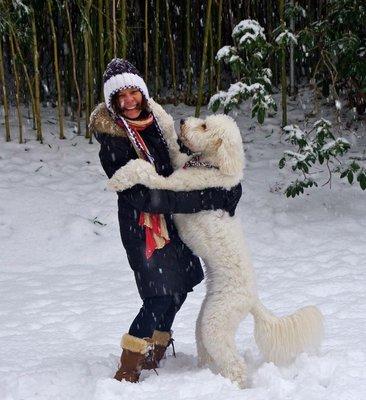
121, 74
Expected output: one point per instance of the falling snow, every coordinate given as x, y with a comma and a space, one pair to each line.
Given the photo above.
68, 293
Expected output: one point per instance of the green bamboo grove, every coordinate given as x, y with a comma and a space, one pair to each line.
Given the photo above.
54, 51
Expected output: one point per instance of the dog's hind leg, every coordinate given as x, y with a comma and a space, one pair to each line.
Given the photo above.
220, 319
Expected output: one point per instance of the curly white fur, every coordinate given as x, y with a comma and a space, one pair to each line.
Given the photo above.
219, 240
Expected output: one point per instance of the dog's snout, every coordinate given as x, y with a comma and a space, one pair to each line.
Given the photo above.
182, 121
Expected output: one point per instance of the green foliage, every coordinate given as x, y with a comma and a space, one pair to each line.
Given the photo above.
247, 61
296, 188
318, 146
354, 169
338, 43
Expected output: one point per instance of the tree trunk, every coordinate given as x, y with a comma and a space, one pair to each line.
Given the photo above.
37, 105
157, 58
218, 65
108, 28
101, 46
283, 67
17, 87
210, 67
74, 73
87, 83
88, 68
27, 78
146, 42
57, 72
171, 51
5, 94
188, 52
123, 29
114, 28
292, 66
91, 86
204, 58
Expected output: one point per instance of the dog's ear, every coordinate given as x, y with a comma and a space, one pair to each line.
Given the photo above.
228, 158
217, 144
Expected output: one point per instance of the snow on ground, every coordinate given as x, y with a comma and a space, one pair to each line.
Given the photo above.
67, 293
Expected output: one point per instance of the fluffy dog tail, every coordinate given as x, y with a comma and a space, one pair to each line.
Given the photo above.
282, 339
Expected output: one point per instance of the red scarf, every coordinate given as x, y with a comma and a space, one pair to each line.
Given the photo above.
156, 232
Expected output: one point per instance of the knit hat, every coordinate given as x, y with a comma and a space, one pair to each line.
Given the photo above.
121, 74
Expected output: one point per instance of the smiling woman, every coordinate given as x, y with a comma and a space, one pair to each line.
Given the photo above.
127, 127
129, 101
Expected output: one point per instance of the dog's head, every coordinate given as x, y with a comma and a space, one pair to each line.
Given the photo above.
216, 137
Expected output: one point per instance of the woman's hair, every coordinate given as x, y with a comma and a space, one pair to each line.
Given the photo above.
116, 107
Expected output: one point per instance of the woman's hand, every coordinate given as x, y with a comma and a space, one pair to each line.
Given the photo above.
134, 172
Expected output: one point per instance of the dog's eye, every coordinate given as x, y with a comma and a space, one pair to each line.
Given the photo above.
204, 126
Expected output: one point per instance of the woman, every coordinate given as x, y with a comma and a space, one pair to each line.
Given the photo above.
165, 269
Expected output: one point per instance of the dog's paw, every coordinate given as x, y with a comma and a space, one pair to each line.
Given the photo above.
161, 115
118, 182
134, 172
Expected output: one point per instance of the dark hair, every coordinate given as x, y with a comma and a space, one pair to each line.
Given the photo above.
116, 107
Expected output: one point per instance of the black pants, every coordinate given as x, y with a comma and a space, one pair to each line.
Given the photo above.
156, 313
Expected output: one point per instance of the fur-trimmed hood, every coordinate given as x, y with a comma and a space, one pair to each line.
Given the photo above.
101, 122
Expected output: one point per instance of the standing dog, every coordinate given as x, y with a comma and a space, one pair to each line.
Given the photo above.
219, 240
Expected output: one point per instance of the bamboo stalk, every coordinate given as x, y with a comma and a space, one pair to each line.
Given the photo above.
157, 37
219, 34
188, 52
17, 87
37, 105
74, 73
57, 72
123, 29
146, 43
91, 87
101, 45
88, 68
204, 58
171, 51
108, 28
292, 66
5, 94
27, 78
283, 67
210, 67
87, 83
114, 28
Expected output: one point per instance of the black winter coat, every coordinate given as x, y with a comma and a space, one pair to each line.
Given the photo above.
174, 268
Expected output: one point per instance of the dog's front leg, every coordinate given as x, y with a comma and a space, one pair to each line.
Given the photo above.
166, 124
136, 172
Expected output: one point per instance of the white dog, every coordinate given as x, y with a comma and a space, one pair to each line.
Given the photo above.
218, 239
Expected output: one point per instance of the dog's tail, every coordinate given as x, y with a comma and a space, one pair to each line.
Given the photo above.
281, 339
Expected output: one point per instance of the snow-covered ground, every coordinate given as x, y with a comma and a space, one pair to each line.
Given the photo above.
67, 293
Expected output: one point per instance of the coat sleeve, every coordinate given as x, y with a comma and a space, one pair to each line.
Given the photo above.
116, 152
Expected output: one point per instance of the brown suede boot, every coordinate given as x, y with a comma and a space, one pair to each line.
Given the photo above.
161, 341
135, 352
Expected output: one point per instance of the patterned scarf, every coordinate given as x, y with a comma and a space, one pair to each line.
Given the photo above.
156, 232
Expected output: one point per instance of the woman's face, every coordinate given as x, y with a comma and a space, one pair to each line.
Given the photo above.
129, 101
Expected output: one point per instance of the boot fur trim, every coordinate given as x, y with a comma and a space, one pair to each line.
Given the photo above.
161, 338
135, 344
